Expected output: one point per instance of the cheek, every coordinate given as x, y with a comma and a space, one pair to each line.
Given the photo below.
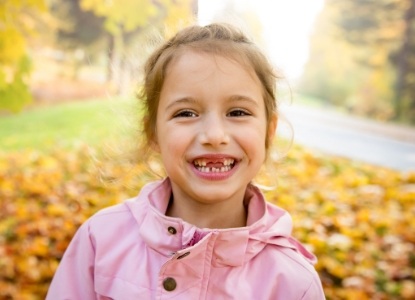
254, 138
172, 140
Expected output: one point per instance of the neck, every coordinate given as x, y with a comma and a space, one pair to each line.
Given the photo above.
225, 214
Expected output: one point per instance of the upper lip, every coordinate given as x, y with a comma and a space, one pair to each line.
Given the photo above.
213, 156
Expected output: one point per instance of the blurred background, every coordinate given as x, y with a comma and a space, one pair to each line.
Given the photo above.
352, 65
69, 118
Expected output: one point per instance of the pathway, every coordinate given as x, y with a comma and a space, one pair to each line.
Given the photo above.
334, 133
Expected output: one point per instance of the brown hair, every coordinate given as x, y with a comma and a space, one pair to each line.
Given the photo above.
219, 39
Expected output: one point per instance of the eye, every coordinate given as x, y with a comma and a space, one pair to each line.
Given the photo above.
185, 114
238, 113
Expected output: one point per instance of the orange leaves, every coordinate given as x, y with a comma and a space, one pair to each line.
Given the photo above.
358, 220
43, 200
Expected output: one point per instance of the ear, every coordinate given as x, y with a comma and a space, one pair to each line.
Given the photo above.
272, 127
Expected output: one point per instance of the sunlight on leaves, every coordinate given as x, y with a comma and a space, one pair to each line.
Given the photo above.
357, 219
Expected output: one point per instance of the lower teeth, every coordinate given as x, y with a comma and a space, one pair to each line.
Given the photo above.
214, 170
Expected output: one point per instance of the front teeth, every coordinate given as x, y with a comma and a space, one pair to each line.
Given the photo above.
202, 162
201, 165
228, 161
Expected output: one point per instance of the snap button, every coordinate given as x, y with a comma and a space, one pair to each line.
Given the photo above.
169, 284
172, 230
183, 255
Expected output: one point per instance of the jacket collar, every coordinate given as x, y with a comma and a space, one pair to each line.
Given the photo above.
266, 224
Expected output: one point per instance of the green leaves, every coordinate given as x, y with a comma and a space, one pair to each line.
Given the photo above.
14, 89
15, 65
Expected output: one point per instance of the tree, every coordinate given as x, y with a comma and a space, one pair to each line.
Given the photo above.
331, 72
77, 27
16, 25
377, 35
125, 20
388, 25
405, 64
79, 34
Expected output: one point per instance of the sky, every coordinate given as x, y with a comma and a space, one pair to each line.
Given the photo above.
287, 25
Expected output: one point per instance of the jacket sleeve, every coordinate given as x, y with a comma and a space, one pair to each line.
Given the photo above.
314, 292
74, 278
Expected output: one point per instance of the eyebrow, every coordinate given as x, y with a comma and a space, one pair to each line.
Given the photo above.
233, 98
181, 100
238, 98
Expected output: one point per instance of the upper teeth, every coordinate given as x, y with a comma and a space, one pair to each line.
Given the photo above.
202, 162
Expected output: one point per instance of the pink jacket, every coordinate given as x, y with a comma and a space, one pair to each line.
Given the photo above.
133, 251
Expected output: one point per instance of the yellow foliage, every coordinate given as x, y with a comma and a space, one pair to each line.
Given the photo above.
357, 219
129, 14
179, 15
12, 46
16, 26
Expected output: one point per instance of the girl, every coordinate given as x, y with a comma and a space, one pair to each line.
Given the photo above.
204, 232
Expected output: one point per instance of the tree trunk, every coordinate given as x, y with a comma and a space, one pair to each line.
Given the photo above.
110, 57
195, 8
403, 59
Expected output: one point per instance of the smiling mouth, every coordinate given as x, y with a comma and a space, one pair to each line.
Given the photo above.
214, 166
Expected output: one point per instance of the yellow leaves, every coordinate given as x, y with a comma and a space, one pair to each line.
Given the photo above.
358, 220
129, 14
43, 200
12, 46
179, 15
57, 210
334, 266
408, 289
16, 25
316, 242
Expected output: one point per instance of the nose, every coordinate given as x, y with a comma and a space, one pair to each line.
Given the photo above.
213, 131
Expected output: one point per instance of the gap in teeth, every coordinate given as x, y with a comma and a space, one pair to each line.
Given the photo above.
203, 162
200, 164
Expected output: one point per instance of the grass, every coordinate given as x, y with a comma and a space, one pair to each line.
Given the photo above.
92, 122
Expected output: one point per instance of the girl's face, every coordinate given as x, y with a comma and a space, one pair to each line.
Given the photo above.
211, 128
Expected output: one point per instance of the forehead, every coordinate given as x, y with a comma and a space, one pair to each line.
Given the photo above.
208, 79
199, 62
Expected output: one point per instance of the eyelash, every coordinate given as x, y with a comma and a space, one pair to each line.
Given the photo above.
233, 113
185, 114
238, 113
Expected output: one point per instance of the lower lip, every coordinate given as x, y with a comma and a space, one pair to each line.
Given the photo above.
214, 176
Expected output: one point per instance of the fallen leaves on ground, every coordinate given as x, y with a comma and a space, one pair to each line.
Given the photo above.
358, 219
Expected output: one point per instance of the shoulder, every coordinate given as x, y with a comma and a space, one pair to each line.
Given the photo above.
126, 211
288, 260
118, 220
276, 210
120, 208
285, 258
110, 220
109, 230
294, 276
